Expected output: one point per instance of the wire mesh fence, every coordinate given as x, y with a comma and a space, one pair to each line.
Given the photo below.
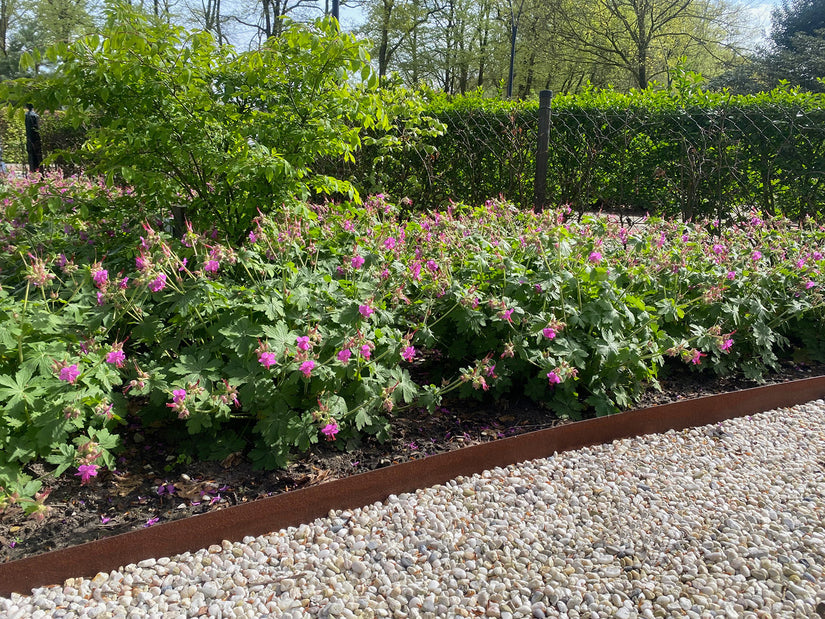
677, 159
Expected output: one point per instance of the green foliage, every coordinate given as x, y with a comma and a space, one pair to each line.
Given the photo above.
215, 134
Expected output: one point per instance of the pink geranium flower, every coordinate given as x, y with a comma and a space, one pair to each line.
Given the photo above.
357, 261
267, 359
366, 351
86, 472
553, 378
549, 332
69, 373
365, 310
408, 354
307, 367
726, 345
595, 257
344, 355
116, 356
158, 284
330, 430
697, 355
100, 277
211, 266
303, 343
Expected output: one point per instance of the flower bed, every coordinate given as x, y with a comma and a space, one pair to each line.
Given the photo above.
327, 319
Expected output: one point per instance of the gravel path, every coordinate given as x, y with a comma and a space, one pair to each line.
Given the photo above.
719, 521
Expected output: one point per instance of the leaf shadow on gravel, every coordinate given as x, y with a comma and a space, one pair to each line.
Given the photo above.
151, 486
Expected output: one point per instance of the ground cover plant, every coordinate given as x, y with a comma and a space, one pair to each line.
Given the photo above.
327, 319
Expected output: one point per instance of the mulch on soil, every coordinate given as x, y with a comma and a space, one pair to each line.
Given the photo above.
151, 486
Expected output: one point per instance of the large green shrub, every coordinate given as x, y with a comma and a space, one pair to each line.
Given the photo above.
216, 134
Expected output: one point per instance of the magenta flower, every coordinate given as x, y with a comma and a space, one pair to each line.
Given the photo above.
267, 359
211, 266
696, 359
432, 266
158, 284
150, 522
549, 332
178, 396
253, 238
101, 298
124, 283
726, 345
303, 342
69, 373
408, 354
365, 310
718, 249
344, 355
553, 378
330, 430
307, 367
731, 275
507, 315
141, 263
366, 351
390, 243
809, 285
595, 257
100, 277
116, 357
86, 472
756, 255
357, 261
817, 256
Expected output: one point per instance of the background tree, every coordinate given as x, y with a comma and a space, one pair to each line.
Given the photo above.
795, 53
797, 17
645, 38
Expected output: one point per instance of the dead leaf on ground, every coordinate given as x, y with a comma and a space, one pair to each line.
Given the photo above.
126, 484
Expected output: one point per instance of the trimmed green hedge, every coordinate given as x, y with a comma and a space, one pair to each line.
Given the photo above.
690, 152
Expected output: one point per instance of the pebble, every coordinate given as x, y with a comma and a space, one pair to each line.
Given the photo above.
722, 521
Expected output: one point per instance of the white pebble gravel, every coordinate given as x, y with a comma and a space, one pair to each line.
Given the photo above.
725, 520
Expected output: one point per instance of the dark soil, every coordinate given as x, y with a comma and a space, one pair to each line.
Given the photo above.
151, 487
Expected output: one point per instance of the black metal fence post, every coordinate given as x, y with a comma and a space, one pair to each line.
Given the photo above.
540, 189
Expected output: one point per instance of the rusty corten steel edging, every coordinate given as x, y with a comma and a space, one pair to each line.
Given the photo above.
300, 506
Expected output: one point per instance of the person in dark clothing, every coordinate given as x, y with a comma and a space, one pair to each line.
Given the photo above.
33, 145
